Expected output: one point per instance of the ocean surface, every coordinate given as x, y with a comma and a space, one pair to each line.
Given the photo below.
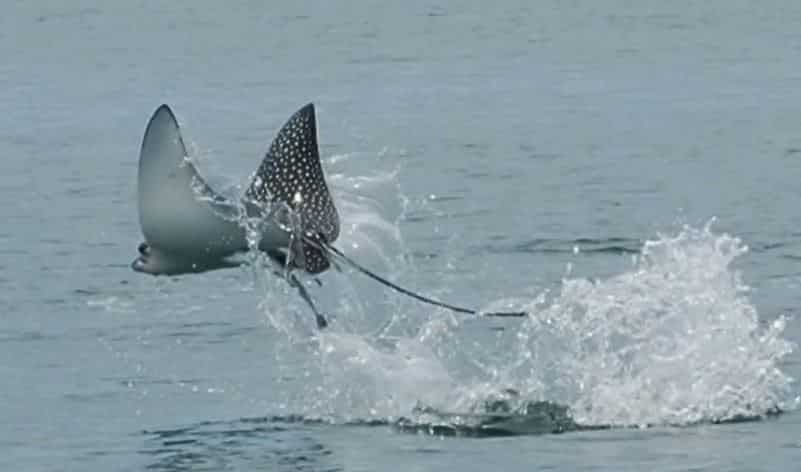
626, 172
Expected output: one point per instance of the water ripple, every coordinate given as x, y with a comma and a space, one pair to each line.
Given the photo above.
611, 245
245, 444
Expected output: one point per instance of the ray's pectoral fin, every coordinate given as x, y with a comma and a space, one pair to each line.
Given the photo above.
180, 215
315, 258
167, 180
290, 187
291, 175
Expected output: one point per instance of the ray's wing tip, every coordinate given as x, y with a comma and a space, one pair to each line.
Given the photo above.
163, 112
164, 108
307, 111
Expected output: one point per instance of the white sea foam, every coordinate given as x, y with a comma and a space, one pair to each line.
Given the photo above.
674, 340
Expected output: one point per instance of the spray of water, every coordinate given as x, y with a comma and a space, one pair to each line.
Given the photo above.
673, 340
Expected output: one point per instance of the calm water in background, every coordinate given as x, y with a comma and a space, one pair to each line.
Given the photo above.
520, 153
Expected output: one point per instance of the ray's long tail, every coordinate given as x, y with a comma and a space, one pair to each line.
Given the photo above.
334, 252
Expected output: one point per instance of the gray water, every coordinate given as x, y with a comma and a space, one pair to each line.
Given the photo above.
627, 172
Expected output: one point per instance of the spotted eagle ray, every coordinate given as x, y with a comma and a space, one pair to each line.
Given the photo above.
190, 228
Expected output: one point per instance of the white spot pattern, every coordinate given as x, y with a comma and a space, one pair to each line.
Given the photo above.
291, 173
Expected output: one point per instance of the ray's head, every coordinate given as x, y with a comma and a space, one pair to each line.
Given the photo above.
153, 261
149, 261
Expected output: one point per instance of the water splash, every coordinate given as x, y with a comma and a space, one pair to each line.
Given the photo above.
675, 340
